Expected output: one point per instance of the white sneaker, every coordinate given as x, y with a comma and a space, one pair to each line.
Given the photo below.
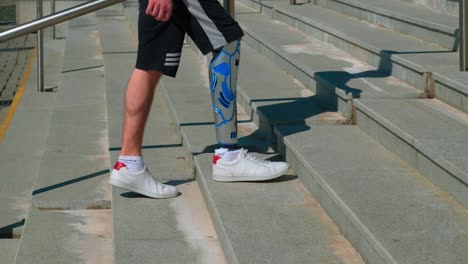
140, 182
246, 168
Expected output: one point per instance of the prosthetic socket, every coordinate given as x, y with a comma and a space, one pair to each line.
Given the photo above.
223, 80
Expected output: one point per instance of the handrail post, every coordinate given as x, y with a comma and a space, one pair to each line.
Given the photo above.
463, 35
40, 51
52, 11
230, 7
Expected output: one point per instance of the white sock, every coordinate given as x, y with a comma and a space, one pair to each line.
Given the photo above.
226, 154
133, 163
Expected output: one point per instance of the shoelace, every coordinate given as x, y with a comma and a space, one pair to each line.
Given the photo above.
253, 158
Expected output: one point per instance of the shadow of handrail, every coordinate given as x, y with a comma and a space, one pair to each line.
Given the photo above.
69, 182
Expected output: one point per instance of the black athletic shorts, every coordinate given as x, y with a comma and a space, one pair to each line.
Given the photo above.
160, 43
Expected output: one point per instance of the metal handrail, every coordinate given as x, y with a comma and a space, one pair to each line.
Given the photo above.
51, 20
463, 35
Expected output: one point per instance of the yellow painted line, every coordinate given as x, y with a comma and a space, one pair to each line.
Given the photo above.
17, 99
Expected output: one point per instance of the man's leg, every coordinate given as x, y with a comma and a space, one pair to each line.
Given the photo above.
130, 172
138, 99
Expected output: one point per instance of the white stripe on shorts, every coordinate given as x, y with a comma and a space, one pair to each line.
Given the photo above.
172, 59
214, 35
173, 54
171, 64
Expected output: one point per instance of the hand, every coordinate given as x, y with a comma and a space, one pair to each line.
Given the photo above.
159, 9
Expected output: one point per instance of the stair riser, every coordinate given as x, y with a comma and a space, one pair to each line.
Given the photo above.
450, 96
446, 37
166, 103
410, 154
349, 226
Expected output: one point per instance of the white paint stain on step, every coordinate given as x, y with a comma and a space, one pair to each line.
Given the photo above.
91, 240
316, 47
193, 220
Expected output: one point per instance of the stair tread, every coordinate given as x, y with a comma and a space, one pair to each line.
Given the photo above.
397, 207
8, 249
67, 237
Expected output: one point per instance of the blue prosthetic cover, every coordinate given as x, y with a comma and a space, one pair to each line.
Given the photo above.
223, 80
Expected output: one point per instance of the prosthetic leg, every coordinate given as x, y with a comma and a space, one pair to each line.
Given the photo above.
223, 80
231, 164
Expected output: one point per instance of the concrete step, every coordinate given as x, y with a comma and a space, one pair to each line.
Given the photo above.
277, 222
442, 6
177, 230
8, 248
425, 66
427, 134
70, 236
334, 75
387, 210
402, 17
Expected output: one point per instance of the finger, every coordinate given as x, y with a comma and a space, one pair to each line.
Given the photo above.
165, 14
155, 11
161, 14
149, 8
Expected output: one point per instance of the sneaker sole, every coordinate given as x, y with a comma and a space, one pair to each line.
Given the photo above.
128, 187
247, 178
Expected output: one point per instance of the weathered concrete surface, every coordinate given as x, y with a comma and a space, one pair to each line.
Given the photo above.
428, 134
388, 211
8, 249
67, 237
274, 222
177, 230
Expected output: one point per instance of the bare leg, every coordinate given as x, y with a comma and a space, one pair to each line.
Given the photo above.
138, 100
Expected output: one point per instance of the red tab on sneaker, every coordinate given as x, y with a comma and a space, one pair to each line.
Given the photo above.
118, 165
216, 158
